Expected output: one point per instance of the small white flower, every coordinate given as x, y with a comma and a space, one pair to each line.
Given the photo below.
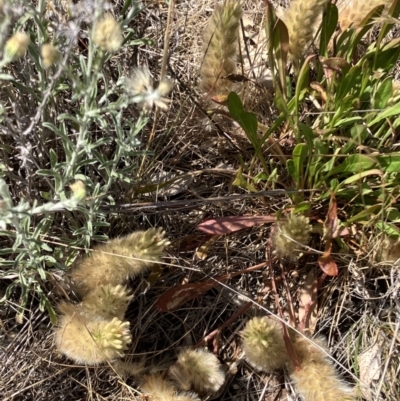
140, 85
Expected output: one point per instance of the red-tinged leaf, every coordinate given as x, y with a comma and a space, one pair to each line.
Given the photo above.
230, 224
326, 262
308, 303
331, 221
343, 232
177, 296
192, 241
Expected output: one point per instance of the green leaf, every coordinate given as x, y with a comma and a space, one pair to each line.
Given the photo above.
389, 229
300, 153
328, 27
365, 214
359, 134
235, 106
359, 176
348, 84
241, 182
365, 25
354, 164
302, 82
394, 11
383, 94
389, 163
389, 112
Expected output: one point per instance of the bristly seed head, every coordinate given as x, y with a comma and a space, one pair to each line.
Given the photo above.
290, 235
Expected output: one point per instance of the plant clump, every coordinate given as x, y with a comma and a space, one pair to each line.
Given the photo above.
93, 331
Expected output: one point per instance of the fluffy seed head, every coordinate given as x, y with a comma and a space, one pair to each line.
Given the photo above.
186, 396
301, 19
88, 340
140, 86
197, 370
352, 12
289, 236
16, 46
107, 33
50, 55
317, 380
78, 187
263, 344
117, 260
157, 388
220, 48
107, 301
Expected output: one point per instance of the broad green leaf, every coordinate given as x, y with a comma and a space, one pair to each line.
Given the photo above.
389, 112
383, 94
235, 106
354, 164
281, 45
389, 229
348, 84
389, 163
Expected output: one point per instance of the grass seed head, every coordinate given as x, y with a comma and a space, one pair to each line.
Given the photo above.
263, 344
302, 18
16, 46
115, 261
107, 33
290, 235
197, 370
157, 388
107, 301
220, 48
89, 340
317, 380
351, 13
